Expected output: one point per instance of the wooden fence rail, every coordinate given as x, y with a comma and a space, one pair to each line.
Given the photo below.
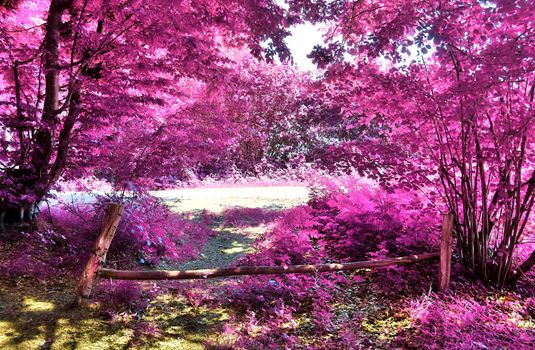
259, 270
98, 257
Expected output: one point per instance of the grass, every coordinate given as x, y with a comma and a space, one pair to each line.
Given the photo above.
39, 317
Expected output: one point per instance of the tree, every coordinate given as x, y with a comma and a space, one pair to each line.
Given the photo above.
455, 81
70, 70
282, 116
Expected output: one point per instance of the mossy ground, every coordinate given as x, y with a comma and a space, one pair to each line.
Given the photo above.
39, 316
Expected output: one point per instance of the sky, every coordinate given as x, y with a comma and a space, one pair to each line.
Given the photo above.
304, 37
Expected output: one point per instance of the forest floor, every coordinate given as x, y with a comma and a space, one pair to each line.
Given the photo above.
35, 310
35, 313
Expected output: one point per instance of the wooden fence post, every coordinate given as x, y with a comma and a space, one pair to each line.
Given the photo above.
446, 244
98, 256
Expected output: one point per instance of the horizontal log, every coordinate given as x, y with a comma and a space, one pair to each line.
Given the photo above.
259, 270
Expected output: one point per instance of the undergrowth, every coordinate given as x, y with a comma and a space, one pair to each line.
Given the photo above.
393, 307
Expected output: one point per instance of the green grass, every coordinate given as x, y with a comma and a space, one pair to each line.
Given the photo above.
38, 316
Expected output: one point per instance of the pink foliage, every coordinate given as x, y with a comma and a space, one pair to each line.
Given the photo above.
113, 295
248, 216
24, 265
337, 225
151, 231
147, 233
429, 96
359, 221
104, 83
472, 321
445, 94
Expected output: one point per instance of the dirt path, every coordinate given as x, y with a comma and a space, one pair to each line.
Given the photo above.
251, 211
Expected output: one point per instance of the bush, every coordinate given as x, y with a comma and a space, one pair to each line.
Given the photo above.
352, 222
121, 295
368, 223
471, 318
148, 231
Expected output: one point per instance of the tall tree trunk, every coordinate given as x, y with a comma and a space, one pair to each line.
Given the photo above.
43, 137
36, 177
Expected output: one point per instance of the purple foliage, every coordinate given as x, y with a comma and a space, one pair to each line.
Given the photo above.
24, 265
120, 295
358, 224
150, 231
473, 321
64, 236
240, 217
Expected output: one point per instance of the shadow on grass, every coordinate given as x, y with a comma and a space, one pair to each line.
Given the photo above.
220, 251
39, 316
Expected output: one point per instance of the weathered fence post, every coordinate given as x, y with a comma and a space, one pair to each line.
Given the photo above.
446, 243
98, 256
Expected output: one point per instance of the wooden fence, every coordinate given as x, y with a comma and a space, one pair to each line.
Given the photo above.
94, 267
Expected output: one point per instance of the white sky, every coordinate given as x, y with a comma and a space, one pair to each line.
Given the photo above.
304, 37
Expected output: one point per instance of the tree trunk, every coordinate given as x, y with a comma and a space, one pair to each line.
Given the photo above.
446, 244
35, 177
524, 267
42, 149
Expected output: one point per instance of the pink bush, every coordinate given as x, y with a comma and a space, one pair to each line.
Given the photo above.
472, 321
151, 231
121, 295
248, 216
59, 244
148, 232
25, 265
359, 223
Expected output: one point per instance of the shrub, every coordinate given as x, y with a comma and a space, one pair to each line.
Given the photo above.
472, 319
150, 231
121, 295
355, 222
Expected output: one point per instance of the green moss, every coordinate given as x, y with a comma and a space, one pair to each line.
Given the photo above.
385, 327
37, 316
